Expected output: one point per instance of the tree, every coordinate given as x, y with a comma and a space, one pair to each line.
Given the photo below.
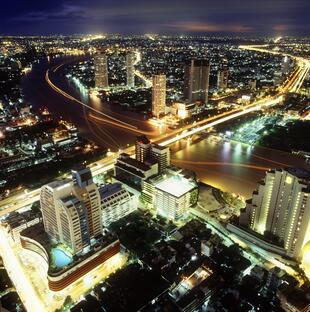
68, 301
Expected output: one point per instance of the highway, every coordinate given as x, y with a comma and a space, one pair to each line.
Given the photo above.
25, 289
293, 84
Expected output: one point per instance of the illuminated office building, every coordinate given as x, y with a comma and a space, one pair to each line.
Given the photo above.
280, 209
196, 80
159, 95
87, 192
101, 71
161, 154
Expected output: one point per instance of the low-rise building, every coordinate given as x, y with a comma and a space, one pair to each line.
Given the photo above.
132, 172
171, 193
294, 299
116, 202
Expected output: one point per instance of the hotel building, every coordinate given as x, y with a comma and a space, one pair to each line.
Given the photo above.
280, 210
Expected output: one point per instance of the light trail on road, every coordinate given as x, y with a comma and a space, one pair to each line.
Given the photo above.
106, 120
70, 97
27, 292
179, 134
221, 120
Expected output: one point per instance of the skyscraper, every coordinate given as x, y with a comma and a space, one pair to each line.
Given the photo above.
87, 192
159, 95
280, 209
222, 76
101, 70
130, 61
285, 65
196, 80
71, 210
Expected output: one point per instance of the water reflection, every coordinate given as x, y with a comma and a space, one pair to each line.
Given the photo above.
232, 166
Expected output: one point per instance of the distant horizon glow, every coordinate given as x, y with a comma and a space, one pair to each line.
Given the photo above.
274, 18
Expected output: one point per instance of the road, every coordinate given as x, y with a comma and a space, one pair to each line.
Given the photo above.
23, 286
16, 272
293, 84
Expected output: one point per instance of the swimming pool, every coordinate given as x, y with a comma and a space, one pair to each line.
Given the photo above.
60, 258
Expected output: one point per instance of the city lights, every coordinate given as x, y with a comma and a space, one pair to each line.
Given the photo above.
160, 162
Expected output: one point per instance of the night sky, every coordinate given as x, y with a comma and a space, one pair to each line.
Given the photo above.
270, 17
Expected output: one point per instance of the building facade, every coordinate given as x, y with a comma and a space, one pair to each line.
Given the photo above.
147, 152
159, 95
160, 154
280, 209
101, 71
132, 172
222, 76
196, 80
130, 67
87, 192
171, 194
142, 148
116, 203
71, 210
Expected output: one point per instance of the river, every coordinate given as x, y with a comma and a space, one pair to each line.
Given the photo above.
231, 166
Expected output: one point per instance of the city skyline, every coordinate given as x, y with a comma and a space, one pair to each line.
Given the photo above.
175, 17
155, 156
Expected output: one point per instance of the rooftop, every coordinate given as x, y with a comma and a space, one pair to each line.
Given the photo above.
36, 232
160, 147
176, 185
300, 173
110, 189
126, 159
143, 140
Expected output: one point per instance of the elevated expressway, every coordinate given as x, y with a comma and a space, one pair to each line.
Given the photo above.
292, 84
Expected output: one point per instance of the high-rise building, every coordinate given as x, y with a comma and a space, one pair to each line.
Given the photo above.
130, 61
143, 148
49, 200
222, 76
147, 151
71, 210
101, 70
159, 95
196, 80
285, 65
87, 192
280, 209
161, 154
